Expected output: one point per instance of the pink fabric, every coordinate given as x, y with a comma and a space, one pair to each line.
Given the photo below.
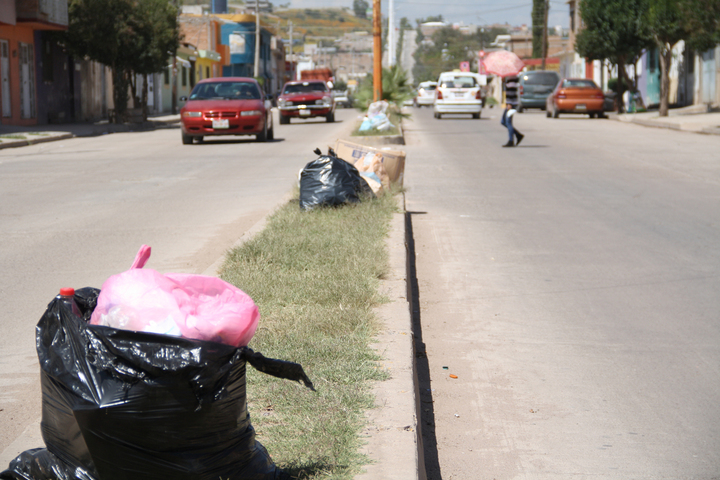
193, 306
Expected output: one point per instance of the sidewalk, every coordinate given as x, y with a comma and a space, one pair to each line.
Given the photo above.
15, 136
689, 119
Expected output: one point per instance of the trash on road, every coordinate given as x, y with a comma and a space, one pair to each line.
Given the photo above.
453, 376
192, 306
392, 161
330, 181
119, 404
376, 118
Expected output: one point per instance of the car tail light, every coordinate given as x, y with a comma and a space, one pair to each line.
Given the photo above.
478, 95
439, 95
600, 95
521, 89
561, 94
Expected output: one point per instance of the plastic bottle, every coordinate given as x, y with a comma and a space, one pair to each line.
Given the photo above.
67, 296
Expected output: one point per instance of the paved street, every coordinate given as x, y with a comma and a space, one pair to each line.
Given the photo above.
571, 285
73, 212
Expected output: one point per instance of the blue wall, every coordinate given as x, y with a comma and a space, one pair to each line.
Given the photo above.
243, 62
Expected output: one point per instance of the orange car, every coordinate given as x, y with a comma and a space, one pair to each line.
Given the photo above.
576, 95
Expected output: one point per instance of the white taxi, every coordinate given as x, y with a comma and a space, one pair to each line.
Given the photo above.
458, 92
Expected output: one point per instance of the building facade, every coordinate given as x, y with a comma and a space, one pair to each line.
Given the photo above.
23, 52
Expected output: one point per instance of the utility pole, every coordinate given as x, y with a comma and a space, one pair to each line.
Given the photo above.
256, 72
173, 94
377, 52
292, 63
544, 34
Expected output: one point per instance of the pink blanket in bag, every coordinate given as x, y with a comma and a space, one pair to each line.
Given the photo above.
192, 306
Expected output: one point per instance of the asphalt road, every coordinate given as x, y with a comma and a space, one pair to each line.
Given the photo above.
74, 212
571, 285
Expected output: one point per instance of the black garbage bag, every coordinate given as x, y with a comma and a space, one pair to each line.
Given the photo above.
331, 181
119, 405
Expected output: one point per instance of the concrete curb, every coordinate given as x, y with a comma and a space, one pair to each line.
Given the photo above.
671, 125
393, 436
82, 130
35, 138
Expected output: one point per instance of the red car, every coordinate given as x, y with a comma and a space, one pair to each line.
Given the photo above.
226, 106
306, 99
576, 95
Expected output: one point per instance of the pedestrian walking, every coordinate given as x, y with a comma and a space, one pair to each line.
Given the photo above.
507, 122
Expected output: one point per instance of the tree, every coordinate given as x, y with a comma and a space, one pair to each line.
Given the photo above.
665, 26
130, 36
613, 30
538, 27
395, 89
448, 48
701, 19
360, 7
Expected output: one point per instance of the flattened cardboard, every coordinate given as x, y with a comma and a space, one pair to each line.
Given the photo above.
393, 161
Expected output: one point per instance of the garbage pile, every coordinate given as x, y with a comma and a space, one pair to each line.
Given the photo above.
121, 403
331, 181
376, 119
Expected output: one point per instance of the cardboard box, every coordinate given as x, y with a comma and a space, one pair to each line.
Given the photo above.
393, 161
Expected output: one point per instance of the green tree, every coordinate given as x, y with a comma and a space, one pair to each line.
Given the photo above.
395, 89
613, 30
360, 8
538, 27
701, 19
448, 48
130, 36
665, 26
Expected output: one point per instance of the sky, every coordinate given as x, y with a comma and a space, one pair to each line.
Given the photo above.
469, 12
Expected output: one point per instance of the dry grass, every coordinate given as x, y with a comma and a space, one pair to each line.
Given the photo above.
315, 276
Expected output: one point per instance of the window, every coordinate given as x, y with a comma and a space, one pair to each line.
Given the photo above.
653, 59
541, 78
306, 87
184, 76
166, 76
207, 72
228, 90
579, 83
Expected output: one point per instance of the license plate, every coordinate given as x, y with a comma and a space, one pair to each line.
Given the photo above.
304, 112
580, 106
459, 94
221, 123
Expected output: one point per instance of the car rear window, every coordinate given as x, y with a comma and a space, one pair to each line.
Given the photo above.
579, 83
229, 90
305, 87
544, 78
458, 82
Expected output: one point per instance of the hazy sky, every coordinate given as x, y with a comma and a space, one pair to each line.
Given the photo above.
477, 12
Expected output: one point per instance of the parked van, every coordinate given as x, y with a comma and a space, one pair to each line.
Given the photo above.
534, 88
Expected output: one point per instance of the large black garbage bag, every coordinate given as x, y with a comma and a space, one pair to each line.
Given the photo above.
122, 405
330, 181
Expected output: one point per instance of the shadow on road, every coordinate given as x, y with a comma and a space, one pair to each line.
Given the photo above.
235, 140
426, 422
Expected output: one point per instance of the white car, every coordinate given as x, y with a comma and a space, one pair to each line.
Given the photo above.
425, 94
458, 92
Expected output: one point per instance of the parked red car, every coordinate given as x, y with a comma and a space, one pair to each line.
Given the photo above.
306, 99
226, 106
576, 95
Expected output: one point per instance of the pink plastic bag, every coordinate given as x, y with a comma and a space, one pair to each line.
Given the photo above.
192, 306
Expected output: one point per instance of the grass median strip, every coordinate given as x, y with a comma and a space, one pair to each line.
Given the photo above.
315, 276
